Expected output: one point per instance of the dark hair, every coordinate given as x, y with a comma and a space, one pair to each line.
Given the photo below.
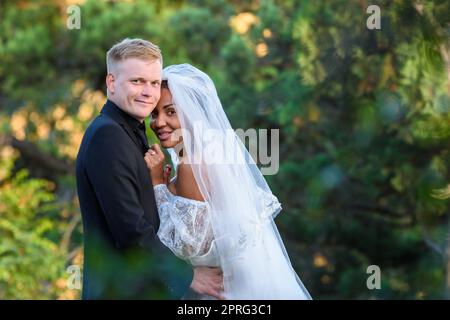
164, 84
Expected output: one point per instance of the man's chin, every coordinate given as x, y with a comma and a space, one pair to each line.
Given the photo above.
142, 114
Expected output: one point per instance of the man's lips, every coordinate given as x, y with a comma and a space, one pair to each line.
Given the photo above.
144, 102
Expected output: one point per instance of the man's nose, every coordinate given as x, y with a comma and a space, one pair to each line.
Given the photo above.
147, 90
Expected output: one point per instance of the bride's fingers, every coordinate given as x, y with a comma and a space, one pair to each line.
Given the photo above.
151, 163
148, 158
153, 153
157, 149
152, 156
167, 170
148, 155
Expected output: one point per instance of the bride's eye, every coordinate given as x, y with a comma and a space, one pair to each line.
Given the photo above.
171, 112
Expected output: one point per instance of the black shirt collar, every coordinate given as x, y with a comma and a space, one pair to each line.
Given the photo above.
132, 122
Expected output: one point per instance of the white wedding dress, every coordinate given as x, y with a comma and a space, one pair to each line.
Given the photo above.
234, 228
185, 227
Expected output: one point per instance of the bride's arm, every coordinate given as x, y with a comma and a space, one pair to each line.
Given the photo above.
184, 224
186, 186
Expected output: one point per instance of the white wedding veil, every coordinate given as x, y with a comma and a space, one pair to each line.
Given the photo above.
251, 253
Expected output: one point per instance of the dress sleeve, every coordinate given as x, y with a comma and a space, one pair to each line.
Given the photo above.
185, 226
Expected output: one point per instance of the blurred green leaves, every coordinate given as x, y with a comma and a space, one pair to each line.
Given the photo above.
363, 116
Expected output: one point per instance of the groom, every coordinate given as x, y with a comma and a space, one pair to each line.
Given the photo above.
123, 257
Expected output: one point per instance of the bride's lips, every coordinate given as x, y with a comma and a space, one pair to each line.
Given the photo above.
164, 135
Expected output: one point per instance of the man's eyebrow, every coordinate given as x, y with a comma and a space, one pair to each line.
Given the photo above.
146, 79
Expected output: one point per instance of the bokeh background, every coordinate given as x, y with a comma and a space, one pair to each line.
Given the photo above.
364, 119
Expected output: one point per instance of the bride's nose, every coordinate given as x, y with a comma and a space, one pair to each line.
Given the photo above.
160, 121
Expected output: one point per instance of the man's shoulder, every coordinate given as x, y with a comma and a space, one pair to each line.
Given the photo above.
102, 122
104, 132
104, 125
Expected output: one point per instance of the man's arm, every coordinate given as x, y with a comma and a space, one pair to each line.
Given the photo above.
113, 175
112, 172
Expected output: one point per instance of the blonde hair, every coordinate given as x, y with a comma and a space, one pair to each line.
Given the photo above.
132, 48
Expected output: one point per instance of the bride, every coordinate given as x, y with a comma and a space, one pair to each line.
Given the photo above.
218, 210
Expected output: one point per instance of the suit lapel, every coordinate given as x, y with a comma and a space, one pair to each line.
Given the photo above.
109, 111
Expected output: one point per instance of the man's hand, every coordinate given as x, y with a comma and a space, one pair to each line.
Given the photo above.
208, 281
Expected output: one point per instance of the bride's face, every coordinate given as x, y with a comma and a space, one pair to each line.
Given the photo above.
164, 120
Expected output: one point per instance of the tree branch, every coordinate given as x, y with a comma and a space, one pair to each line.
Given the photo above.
64, 245
46, 161
397, 220
431, 244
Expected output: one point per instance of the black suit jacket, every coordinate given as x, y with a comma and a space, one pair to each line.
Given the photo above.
123, 257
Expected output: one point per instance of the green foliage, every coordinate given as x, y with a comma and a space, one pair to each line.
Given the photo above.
363, 116
31, 262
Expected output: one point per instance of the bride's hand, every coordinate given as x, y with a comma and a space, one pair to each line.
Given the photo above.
154, 159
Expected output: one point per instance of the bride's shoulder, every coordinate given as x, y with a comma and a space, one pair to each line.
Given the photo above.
186, 184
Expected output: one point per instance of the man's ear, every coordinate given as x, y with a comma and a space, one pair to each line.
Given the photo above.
110, 82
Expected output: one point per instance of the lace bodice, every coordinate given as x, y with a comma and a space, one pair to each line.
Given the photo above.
185, 227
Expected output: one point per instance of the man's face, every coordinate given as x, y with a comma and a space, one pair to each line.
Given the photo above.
134, 85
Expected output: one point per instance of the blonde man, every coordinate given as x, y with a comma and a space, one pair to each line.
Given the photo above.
123, 257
